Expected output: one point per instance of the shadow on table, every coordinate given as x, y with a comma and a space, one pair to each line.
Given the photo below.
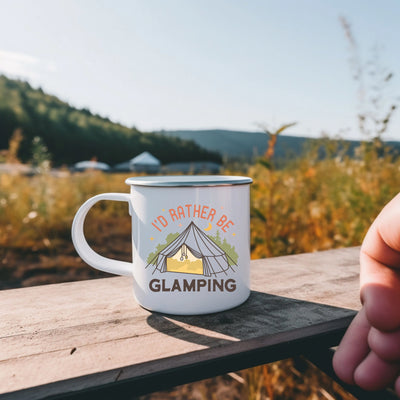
262, 315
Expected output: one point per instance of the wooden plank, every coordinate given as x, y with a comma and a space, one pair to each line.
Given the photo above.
327, 277
82, 335
135, 380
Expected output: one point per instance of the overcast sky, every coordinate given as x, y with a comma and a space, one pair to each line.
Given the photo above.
202, 64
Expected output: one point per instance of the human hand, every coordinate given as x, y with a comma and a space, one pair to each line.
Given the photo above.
369, 353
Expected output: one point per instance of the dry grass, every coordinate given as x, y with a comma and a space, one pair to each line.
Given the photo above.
316, 205
36, 211
310, 205
36, 214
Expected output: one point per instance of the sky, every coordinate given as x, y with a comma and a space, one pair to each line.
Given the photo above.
207, 64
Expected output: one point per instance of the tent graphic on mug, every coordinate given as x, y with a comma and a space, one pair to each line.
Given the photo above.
192, 252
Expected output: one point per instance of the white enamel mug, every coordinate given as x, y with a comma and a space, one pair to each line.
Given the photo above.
190, 242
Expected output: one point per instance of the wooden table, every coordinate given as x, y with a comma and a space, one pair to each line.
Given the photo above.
90, 338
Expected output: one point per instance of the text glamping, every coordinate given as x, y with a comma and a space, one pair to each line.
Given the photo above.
192, 211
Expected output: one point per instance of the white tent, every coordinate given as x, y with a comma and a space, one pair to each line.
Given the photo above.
87, 165
145, 162
193, 243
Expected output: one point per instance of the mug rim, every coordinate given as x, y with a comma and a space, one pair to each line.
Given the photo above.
188, 180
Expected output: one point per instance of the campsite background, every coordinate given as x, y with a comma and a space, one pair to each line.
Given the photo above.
300, 96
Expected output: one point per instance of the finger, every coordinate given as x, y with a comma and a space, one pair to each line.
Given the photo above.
380, 269
353, 348
381, 245
374, 373
385, 344
381, 301
382, 241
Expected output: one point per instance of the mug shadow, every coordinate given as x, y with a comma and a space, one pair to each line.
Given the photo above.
261, 315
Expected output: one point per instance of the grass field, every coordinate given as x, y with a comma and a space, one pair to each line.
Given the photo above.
305, 200
310, 205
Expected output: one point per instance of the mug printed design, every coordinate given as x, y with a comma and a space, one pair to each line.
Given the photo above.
193, 252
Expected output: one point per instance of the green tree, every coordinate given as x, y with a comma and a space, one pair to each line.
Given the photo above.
73, 135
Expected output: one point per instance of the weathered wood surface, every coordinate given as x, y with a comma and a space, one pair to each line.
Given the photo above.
69, 337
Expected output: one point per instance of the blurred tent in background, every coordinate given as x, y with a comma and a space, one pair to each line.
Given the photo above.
91, 165
144, 162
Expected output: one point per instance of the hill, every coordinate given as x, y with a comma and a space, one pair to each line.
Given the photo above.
249, 145
72, 134
238, 144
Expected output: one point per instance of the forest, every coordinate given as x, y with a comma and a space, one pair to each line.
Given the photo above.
71, 135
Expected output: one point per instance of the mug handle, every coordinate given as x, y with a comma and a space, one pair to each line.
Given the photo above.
81, 245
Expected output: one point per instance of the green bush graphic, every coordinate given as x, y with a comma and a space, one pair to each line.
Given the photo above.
226, 247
